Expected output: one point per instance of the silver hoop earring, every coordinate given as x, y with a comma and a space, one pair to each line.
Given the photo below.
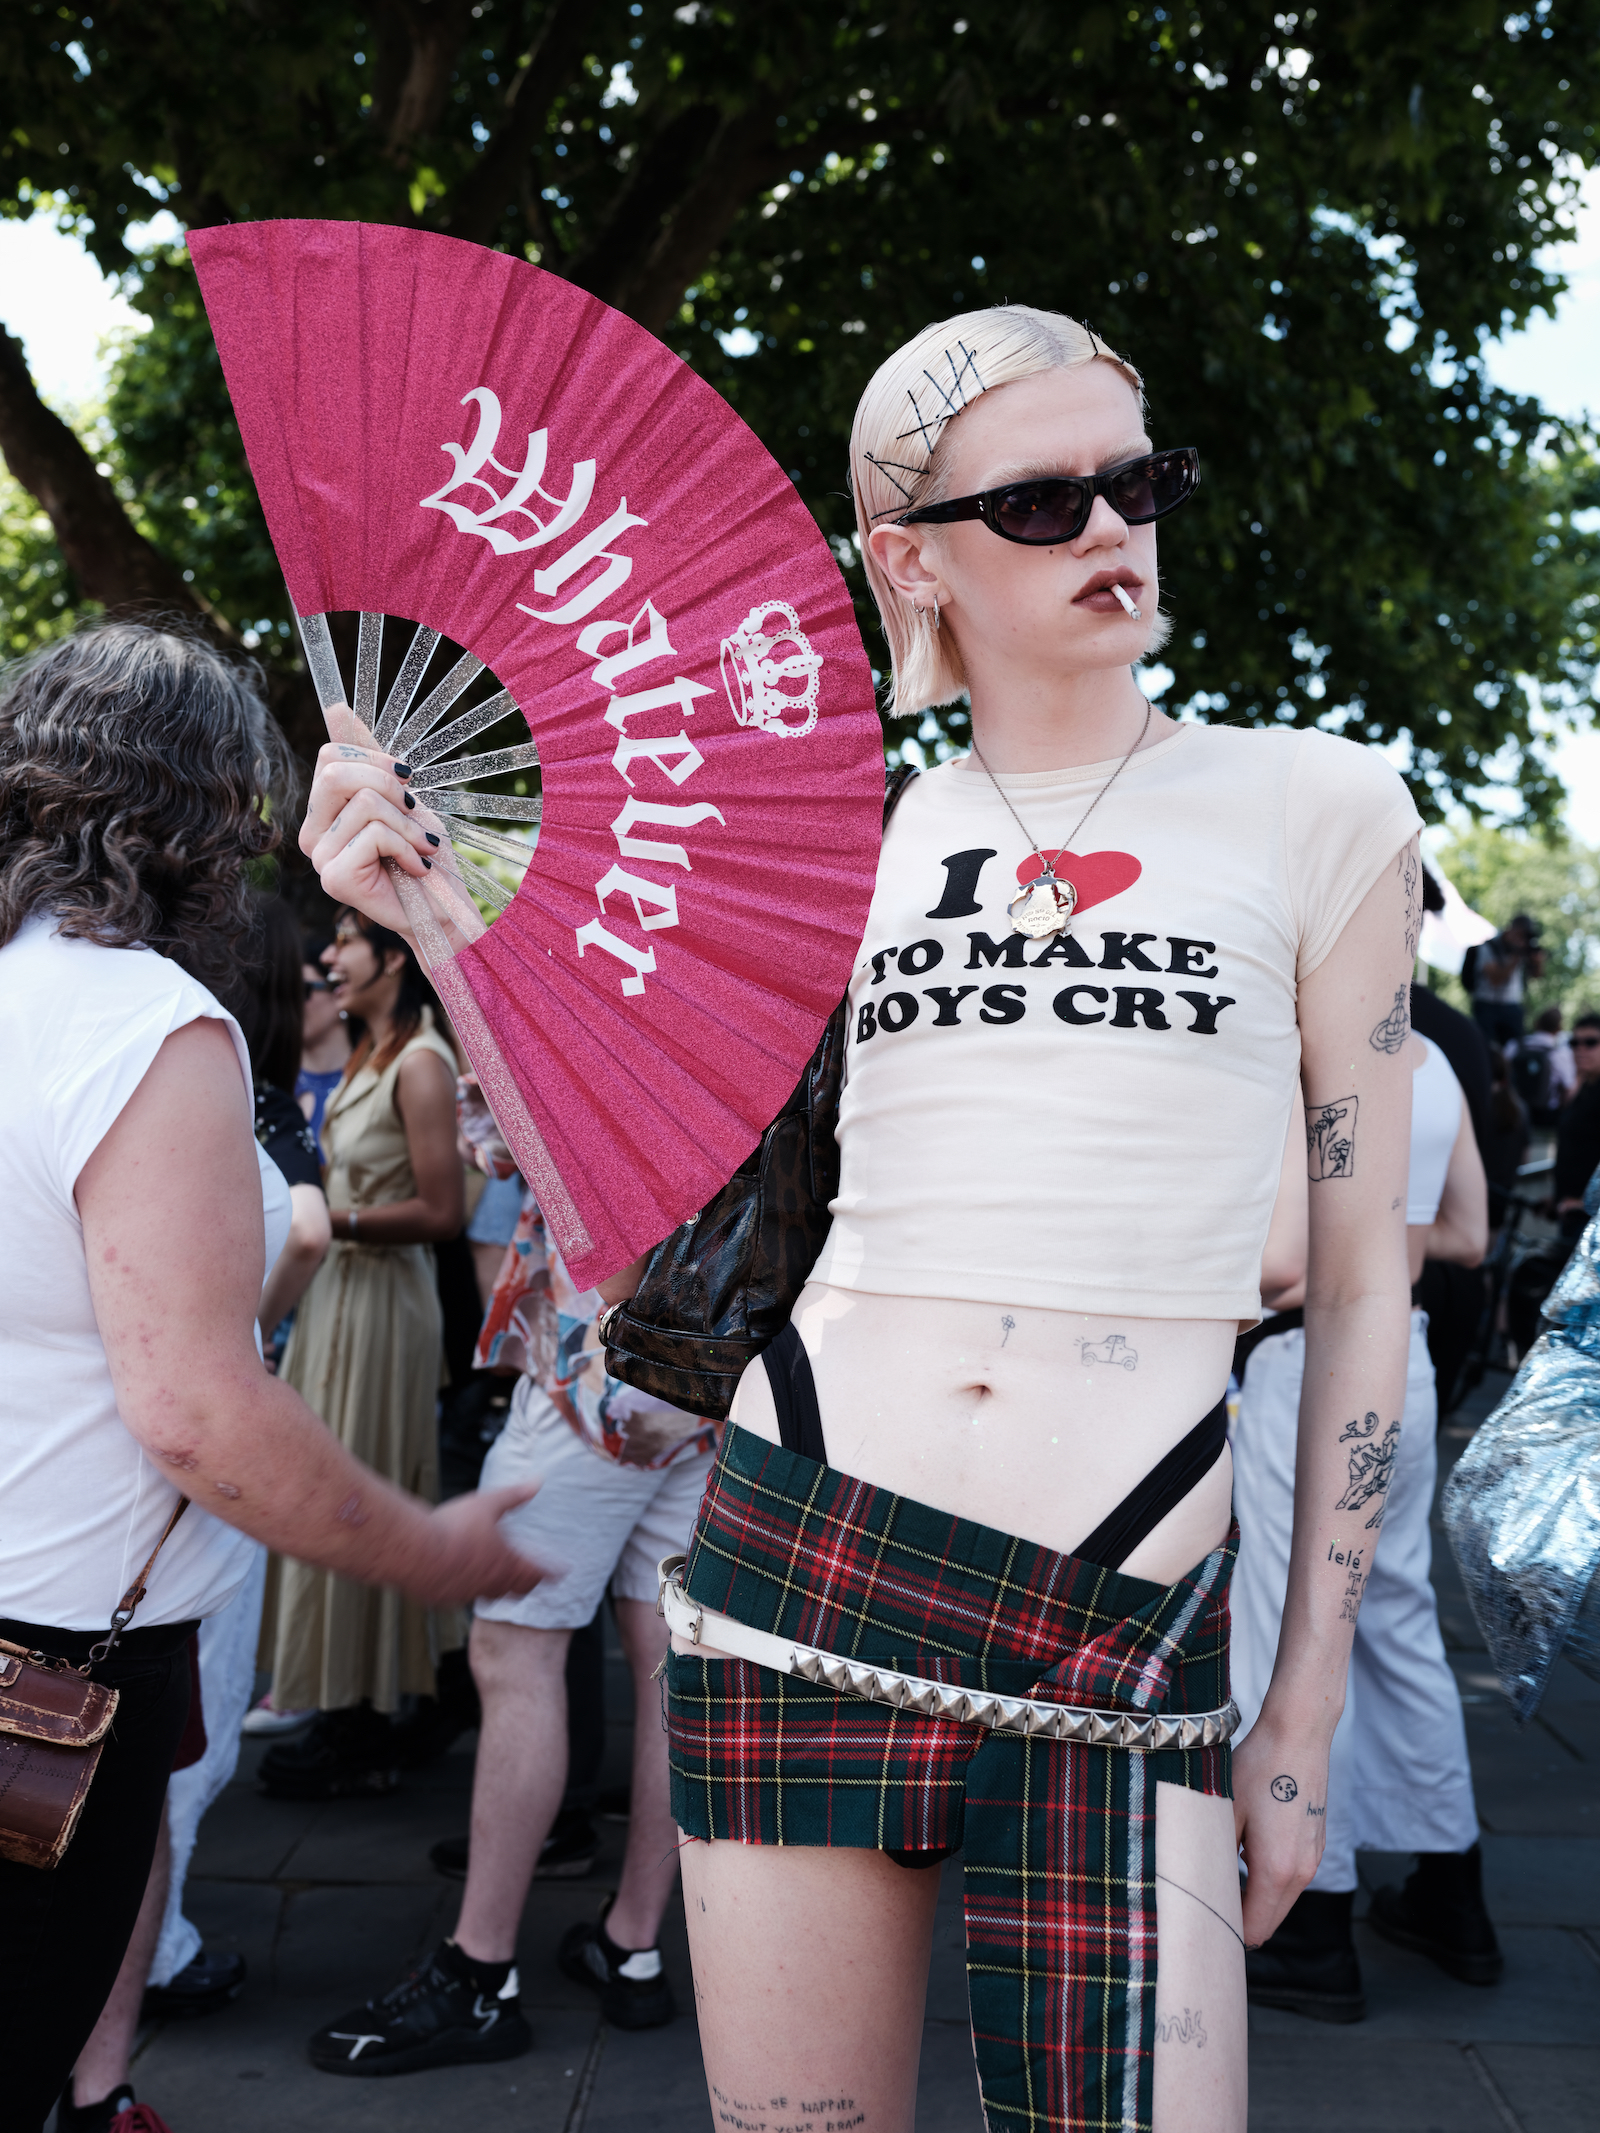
936, 611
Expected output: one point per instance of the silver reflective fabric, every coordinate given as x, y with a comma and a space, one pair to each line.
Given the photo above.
1523, 1506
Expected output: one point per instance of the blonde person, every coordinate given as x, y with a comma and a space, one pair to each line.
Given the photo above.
366, 1353
136, 784
1102, 949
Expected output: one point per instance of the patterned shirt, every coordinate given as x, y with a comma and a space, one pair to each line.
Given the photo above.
539, 1322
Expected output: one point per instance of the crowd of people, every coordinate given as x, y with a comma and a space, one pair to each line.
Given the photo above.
266, 1236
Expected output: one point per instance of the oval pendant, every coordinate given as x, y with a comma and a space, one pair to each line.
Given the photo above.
1043, 908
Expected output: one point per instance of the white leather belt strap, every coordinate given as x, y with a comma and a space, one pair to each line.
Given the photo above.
936, 1699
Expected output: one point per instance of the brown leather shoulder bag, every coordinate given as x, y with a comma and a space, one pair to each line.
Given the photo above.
53, 1726
722, 1287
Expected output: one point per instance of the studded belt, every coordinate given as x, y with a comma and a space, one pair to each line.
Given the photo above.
1089, 1727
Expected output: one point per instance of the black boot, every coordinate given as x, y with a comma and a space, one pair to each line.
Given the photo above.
1309, 1965
344, 1754
1440, 1913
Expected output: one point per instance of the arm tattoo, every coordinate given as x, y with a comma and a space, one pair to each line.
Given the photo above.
1331, 1138
1411, 877
1186, 2028
1391, 1033
1284, 1788
1371, 1466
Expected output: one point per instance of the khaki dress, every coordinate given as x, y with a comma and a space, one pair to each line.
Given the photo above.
365, 1354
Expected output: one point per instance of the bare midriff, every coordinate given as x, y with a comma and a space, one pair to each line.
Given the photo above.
1038, 1422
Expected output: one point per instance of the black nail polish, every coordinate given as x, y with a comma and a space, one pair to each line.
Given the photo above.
410, 802
402, 770
427, 862
432, 839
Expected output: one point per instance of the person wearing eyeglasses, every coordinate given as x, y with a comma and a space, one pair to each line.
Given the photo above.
1578, 1135
959, 1576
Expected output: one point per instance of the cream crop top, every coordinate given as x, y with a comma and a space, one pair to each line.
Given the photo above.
1096, 1122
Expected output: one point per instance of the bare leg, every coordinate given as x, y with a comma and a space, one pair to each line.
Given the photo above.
103, 2062
811, 1977
1200, 2004
520, 1776
650, 1865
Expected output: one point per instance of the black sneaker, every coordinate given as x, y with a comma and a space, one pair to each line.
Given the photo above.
436, 2016
1309, 1966
633, 1989
345, 1755
1440, 1913
202, 1987
567, 1854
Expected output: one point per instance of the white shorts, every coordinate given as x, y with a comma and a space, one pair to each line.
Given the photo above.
605, 1523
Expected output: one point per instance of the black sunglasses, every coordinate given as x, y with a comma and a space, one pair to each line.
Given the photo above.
1056, 508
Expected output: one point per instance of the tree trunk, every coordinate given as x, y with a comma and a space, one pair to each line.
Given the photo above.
111, 560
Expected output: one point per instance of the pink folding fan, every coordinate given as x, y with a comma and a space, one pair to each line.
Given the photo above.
584, 538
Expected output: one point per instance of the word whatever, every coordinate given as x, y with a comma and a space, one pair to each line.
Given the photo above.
522, 518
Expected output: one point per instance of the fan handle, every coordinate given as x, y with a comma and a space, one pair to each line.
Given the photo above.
432, 926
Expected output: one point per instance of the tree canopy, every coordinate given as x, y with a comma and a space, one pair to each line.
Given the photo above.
1300, 226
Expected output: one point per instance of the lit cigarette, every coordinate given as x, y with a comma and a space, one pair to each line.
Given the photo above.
1128, 607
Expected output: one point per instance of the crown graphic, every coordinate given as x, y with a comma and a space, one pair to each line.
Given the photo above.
770, 671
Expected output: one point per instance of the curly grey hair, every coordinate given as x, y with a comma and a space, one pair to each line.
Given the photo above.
140, 774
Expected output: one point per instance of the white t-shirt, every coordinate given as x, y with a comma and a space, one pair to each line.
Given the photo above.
1096, 1122
1436, 1103
81, 1504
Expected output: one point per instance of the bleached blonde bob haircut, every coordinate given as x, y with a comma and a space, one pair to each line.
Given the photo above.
896, 461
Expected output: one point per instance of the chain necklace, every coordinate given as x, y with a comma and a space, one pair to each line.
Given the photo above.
1047, 902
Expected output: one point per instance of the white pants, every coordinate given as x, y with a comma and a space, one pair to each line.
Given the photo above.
227, 1681
1399, 1779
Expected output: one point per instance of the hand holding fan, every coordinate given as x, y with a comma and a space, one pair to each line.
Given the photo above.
451, 437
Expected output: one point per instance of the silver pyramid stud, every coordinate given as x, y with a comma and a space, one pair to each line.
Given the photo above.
1103, 1729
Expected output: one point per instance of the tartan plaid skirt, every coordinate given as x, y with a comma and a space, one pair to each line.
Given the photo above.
1058, 1838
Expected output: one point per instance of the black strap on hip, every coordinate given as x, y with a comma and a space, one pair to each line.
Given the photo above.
1162, 1490
794, 1394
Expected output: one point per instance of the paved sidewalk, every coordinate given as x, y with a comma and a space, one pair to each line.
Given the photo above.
330, 1904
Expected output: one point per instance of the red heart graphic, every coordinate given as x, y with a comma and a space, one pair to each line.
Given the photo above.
1097, 876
